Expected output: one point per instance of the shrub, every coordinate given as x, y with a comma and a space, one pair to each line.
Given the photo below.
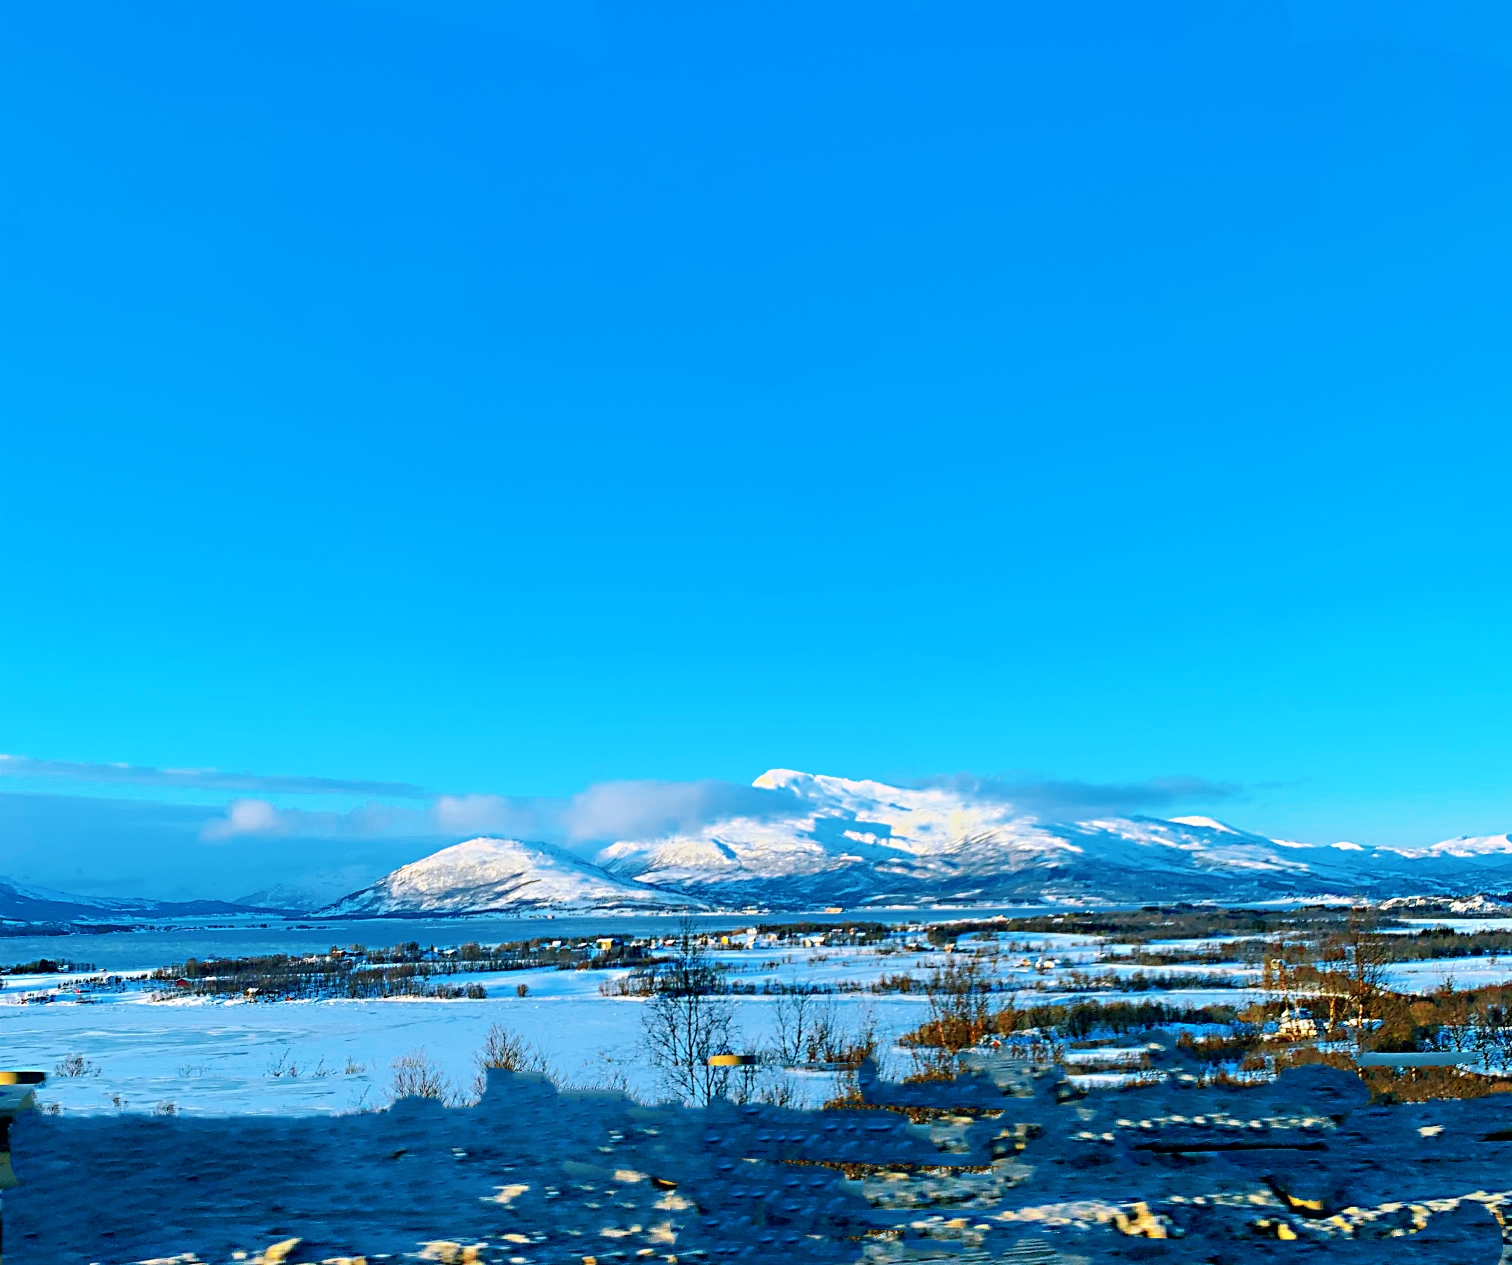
415, 1076
960, 1015
505, 1049
74, 1065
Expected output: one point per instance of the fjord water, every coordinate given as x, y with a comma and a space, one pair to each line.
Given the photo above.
159, 945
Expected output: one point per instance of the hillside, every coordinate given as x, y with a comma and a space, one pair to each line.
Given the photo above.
500, 876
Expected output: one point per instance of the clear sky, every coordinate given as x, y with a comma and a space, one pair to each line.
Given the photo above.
502, 397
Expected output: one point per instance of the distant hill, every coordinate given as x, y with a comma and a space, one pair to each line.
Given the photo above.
38, 905
303, 897
501, 876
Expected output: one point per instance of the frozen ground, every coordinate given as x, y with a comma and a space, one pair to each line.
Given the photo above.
1461, 924
234, 1057
294, 1057
1425, 976
210, 1056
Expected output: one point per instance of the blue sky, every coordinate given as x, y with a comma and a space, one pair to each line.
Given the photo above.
502, 398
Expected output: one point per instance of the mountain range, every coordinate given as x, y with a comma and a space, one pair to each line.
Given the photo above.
34, 905
831, 841
814, 841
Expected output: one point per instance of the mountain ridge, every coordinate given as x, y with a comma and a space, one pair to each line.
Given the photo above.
823, 841
488, 875
865, 843
37, 905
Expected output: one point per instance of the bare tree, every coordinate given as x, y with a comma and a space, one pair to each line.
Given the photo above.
809, 1030
800, 1014
1366, 955
1493, 1035
960, 1014
688, 1020
777, 1090
415, 1076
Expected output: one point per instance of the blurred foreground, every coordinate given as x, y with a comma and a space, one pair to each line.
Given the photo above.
1007, 1161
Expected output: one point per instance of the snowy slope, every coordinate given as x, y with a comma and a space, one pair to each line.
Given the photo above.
1464, 847
867, 842
846, 842
500, 876
854, 842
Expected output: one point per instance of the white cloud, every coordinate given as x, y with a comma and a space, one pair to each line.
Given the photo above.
488, 814
602, 814
1056, 800
367, 821
612, 811
247, 817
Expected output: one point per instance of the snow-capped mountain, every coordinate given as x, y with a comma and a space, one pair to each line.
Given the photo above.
866, 842
862, 842
829, 840
820, 840
311, 892
501, 876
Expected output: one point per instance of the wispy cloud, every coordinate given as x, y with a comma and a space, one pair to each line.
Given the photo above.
260, 817
601, 814
640, 810
610, 811
20, 766
1053, 798
110, 845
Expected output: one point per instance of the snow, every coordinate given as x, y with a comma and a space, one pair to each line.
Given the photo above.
213, 1057
1464, 846
1466, 926
220, 1057
1425, 976
492, 875
836, 839
1212, 823
234, 1057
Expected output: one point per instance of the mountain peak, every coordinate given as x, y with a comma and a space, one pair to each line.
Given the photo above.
488, 875
1207, 823
861, 843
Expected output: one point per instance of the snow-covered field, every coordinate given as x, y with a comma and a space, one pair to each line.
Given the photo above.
208, 1056
211, 1056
